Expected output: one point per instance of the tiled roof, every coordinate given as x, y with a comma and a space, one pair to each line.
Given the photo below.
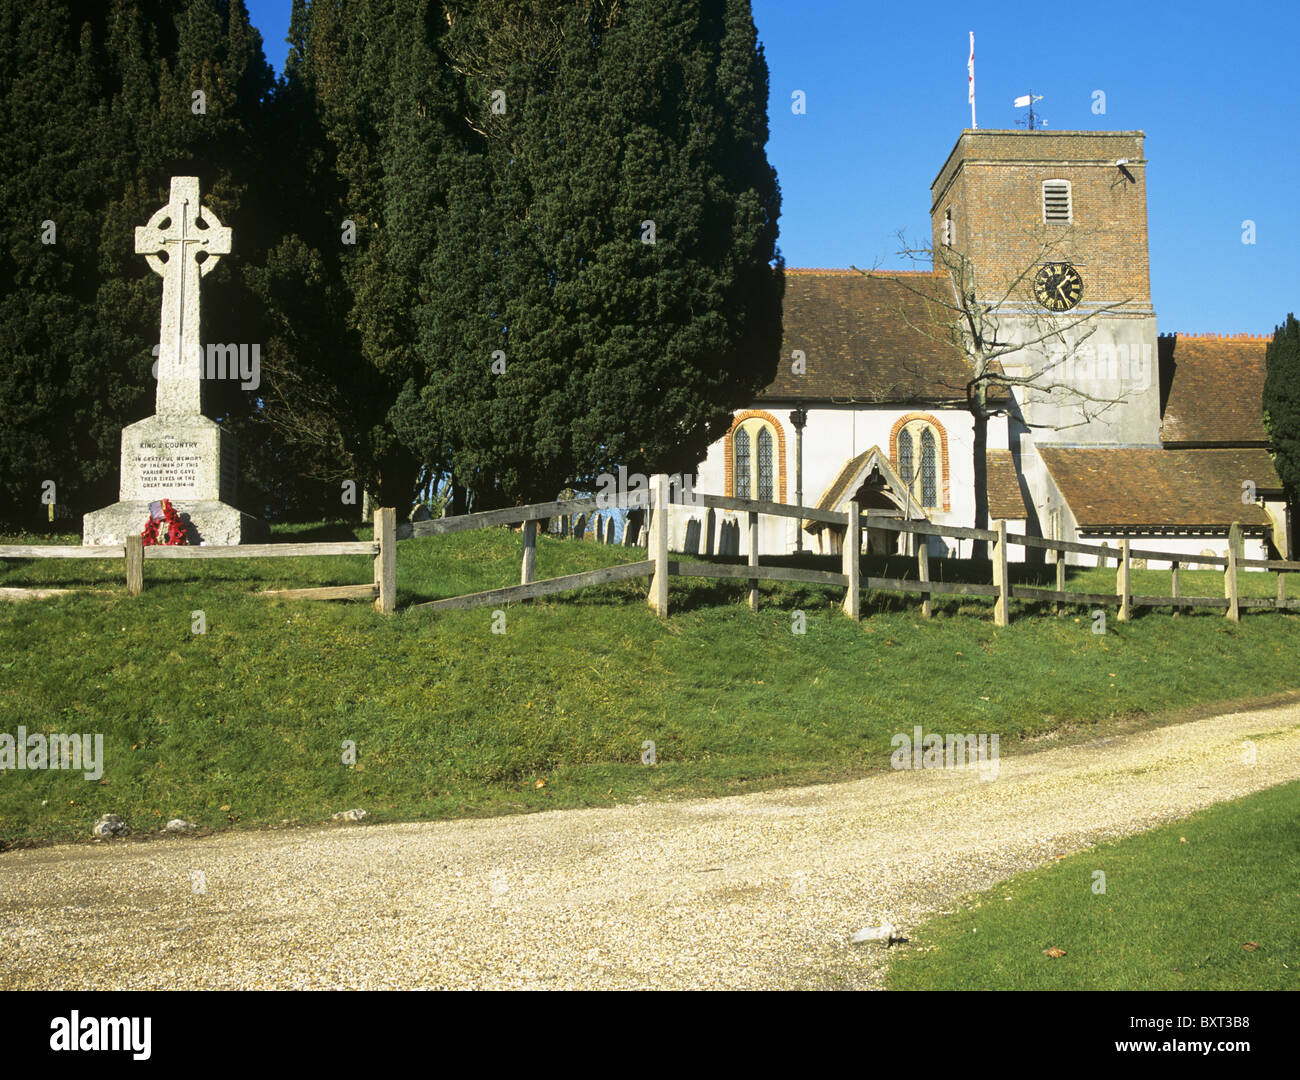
1005, 497
1160, 487
869, 339
1217, 389
838, 487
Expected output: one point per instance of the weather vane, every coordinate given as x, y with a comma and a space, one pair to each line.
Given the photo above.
1029, 99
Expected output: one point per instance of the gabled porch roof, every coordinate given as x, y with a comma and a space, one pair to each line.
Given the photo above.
871, 466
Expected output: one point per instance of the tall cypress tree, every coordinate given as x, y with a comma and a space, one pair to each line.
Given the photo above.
368, 98
618, 249
1282, 407
59, 401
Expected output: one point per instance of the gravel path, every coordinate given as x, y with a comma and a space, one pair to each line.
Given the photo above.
756, 891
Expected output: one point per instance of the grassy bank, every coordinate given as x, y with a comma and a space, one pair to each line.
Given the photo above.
246, 724
1208, 903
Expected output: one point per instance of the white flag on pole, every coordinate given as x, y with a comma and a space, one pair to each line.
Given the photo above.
970, 71
970, 68
1021, 102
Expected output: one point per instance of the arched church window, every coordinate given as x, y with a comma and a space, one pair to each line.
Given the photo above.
757, 465
921, 438
742, 463
765, 464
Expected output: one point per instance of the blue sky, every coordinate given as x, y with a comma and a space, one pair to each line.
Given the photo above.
1216, 88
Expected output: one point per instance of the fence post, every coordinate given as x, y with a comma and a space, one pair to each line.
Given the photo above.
1230, 574
134, 564
1173, 582
1001, 609
386, 560
753, 556
851, 552
923, 570
530, 553
1060, 581
1122, 582
658, 547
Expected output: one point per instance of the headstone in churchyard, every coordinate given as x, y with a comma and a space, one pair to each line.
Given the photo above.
632, 527
691, 544
579, 526
729, 540
609, 529
710, 527
178, 453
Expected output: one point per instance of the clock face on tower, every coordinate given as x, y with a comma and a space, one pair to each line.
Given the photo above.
1058, 286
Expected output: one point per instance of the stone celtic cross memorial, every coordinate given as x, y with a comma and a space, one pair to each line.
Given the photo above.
178, 453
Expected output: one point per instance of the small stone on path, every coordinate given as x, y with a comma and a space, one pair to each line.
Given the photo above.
110, 825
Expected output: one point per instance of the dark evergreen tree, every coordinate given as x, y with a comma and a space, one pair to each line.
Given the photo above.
1282, 406
616, 244
366, 109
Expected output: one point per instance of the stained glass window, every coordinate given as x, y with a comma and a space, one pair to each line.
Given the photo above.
742, 463
929, 469
905, 457
764, 465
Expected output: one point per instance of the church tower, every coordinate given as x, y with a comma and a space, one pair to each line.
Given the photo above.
1054, 225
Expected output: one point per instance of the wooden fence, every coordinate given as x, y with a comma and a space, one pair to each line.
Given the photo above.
659, 566
383, 590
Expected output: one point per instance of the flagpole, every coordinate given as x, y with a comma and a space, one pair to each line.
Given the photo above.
970, 68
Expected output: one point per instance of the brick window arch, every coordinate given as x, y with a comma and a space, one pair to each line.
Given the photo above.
918, 449
761, 434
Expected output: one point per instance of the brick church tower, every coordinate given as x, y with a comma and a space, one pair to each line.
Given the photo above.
1065, 213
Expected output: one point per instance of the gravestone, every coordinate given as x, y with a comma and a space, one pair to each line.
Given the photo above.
178, 453
632, 529
609, 530
729, 538
691, 543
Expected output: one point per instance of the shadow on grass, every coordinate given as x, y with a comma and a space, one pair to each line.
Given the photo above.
321, 532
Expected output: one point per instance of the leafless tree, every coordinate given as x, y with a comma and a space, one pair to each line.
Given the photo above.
960, 320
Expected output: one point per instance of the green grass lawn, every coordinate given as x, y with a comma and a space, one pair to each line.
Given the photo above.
1207, 903
245, 724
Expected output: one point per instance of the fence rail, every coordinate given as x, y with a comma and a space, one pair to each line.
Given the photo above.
61, 551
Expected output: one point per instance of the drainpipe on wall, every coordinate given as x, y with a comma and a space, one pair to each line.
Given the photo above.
799, 417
